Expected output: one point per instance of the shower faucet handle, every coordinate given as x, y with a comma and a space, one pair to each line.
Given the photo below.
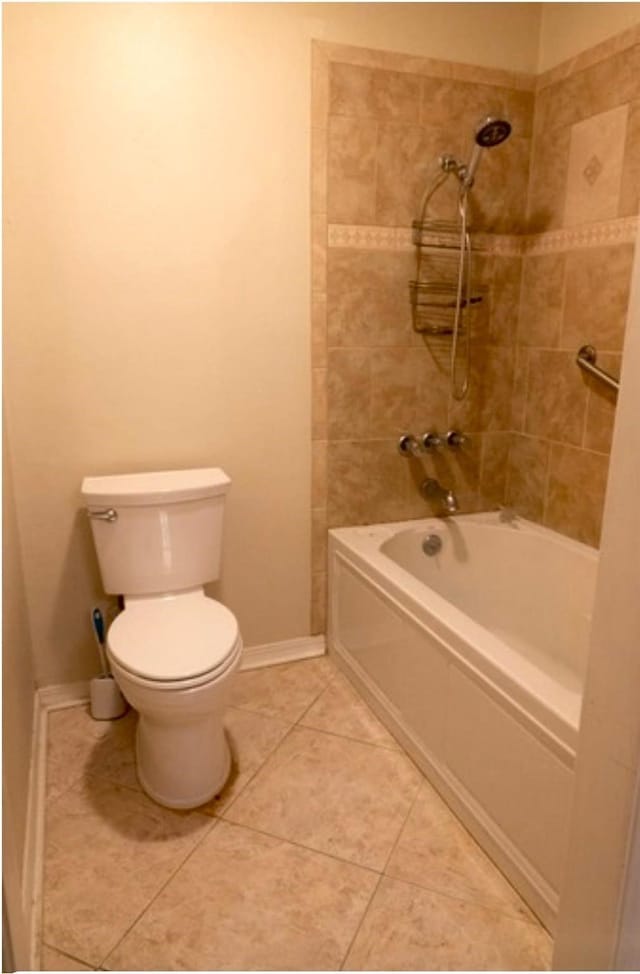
431, 440
455, 439
408, 446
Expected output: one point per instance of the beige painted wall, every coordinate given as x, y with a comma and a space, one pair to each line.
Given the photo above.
566, 29
157, 281
17, 678
499, 35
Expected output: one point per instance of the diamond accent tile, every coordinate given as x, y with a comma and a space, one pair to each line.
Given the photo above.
592, 170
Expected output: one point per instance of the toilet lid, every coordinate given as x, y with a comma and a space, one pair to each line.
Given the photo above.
175, 638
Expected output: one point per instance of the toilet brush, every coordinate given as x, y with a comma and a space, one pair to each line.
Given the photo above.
107, 701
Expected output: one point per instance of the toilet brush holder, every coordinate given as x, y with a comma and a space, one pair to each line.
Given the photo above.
107, 701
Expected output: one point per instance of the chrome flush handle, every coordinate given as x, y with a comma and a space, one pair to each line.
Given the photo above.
106, 514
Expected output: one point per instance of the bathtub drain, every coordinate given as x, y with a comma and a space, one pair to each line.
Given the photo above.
432, 544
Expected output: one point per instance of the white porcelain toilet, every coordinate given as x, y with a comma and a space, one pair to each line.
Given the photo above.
173, 650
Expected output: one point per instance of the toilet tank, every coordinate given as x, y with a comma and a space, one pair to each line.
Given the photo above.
157, 532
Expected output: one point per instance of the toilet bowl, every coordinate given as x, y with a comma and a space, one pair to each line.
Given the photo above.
173, 650
174, 658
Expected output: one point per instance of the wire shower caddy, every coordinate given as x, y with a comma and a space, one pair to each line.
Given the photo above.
442, 293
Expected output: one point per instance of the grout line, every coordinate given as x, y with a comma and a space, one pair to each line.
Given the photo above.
477, 433
383, 873
305, 848
508, 474
547, 481
354, 740
206, 832
404, 823
65, 953
280, 742
51, 800
479, 342
532, 920
585, 419
376, 173
362, 919
222, 813
563, 443
287, 733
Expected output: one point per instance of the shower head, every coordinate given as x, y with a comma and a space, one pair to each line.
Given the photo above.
490, 131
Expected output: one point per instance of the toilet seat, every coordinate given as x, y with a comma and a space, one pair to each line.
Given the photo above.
174, 642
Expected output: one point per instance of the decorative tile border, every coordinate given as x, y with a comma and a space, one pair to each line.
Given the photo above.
400, 238
603, 234
607, 233
368, 238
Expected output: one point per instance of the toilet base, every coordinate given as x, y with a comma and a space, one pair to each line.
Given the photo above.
170, 801
182, 753
182, 765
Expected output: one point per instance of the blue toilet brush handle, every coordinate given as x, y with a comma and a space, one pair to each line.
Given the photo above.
97, 623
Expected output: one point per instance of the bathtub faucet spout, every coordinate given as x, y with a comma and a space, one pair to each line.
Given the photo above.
434, 491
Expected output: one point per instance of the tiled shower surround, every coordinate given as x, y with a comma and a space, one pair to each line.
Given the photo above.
556, 209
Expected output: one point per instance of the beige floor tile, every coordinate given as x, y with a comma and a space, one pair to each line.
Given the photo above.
331, 794
284, 691
435, 851
109, 850
248, 901
339, 710
252, 738
54, 960
408, 928
78, 745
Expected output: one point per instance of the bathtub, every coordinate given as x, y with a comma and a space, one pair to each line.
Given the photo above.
474, 657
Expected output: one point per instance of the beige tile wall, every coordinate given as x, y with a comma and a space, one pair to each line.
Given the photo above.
539, 429
379, 125
585, 169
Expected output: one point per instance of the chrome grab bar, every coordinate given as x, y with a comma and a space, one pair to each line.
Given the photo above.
586, 359
105, 514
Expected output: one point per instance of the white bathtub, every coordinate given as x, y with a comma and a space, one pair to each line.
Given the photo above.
475, 659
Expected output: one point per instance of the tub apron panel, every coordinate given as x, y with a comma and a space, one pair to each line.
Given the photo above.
499, 752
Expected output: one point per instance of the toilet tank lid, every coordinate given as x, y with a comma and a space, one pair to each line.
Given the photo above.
137, 489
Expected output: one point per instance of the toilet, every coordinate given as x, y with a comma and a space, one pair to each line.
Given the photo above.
173, 650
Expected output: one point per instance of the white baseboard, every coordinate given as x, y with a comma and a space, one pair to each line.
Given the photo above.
287, 651
71, 695
46, 699
33, 865
64, 695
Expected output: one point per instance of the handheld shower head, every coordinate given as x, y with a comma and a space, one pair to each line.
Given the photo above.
490, 131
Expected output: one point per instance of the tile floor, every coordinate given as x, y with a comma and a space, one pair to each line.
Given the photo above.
327, 850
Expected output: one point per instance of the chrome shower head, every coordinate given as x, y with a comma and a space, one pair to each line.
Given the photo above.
490, 131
